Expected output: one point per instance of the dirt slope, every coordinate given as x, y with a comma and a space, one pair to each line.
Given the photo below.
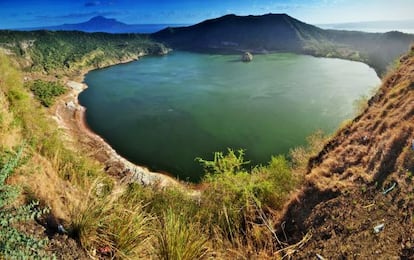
363, 178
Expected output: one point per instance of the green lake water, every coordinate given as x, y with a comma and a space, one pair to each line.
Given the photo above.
163, 112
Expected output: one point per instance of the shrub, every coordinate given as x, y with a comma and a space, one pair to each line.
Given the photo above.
46, 91
234, 197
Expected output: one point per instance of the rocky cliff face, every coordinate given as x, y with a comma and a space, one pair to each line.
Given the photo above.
362, 179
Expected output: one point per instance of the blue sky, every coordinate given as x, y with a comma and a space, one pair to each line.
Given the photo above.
31, 13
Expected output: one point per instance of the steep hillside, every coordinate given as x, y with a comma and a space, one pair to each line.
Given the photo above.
280, 32
273, 32
71, 51
363, 178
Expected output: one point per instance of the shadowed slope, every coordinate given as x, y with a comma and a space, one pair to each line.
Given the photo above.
362, 178
280, 32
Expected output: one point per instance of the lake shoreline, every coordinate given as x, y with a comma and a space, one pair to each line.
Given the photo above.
173, 106
71, 116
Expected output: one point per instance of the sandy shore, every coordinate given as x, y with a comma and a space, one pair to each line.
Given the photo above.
70, 116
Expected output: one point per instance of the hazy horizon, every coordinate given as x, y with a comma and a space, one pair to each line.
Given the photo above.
30, 13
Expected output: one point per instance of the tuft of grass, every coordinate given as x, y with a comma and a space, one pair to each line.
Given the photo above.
105, 226
179, 239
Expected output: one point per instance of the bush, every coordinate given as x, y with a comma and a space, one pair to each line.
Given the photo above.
234, 197
46, 91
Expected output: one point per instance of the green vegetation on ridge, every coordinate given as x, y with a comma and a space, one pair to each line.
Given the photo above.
71, 51
46, 91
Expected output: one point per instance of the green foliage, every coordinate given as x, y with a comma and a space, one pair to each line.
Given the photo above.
14, 243
49, 51
178, 239
234, 196
157, 200
221, 164
46, 91
9, 193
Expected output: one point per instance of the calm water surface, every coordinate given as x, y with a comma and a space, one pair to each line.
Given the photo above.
163, 112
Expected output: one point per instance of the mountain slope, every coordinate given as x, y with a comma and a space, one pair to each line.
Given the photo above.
363, 178
95, 24
280, 32
231, 32
71, 51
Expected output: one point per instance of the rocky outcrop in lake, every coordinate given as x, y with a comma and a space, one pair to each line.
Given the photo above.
247, 57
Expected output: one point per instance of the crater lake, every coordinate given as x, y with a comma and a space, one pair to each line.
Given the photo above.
163, 112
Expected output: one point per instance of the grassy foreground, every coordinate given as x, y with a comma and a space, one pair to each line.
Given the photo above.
47, 177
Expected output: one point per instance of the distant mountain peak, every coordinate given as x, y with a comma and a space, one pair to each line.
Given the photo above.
100, 17
103, 21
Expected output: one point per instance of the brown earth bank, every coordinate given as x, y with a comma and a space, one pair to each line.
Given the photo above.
358, 198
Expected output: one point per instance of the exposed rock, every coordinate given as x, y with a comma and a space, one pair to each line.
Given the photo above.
71, 105
247, 57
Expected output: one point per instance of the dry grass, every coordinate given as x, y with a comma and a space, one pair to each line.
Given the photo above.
106, 227
40, 180
179, 238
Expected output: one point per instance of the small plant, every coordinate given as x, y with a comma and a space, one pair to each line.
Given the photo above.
14, 243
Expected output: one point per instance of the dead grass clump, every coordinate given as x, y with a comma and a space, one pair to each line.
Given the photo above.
40, 180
